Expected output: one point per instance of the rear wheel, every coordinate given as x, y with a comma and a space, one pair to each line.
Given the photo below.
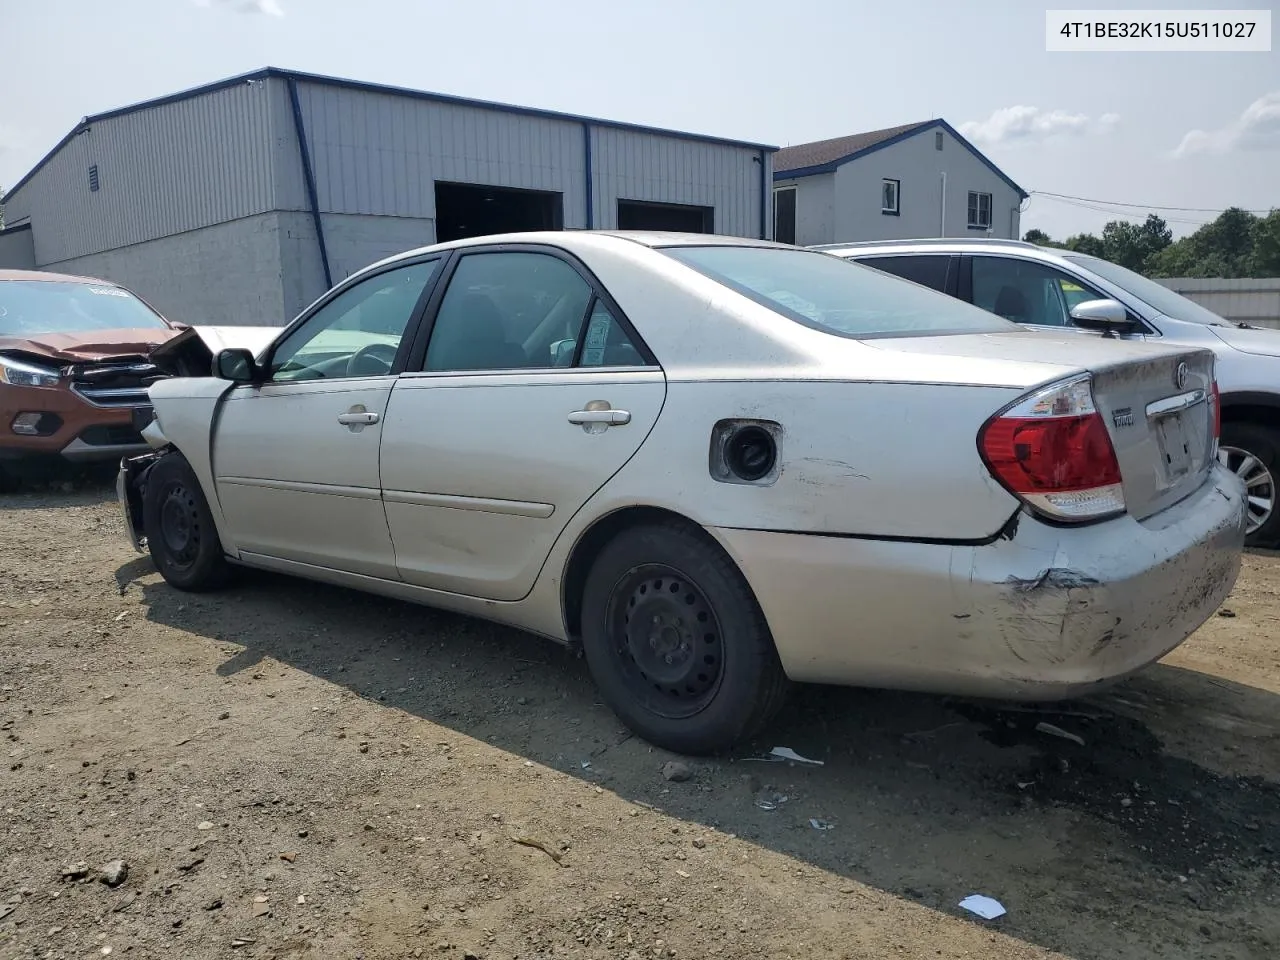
677, 642
179, 526
1252, 452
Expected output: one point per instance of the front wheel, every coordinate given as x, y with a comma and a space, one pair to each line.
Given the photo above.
676, 641
1252, 452
179, 527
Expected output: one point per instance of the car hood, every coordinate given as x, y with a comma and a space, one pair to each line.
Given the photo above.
191, 353
90, 345
1259, 341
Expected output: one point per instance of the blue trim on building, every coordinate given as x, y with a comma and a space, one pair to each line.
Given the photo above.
588, 175
764, 196
304, 152
931, 125
275, 72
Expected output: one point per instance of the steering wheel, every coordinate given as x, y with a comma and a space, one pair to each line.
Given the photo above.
384, 353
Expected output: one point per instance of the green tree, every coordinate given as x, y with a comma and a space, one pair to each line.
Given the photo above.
1266, 246
1086, 243
1133, 245
1038, 237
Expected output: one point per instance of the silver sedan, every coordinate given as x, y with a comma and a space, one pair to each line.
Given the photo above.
717, 466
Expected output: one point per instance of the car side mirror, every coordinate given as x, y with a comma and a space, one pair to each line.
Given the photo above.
235, 364
1109, 316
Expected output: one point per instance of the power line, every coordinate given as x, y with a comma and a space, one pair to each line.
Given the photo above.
1124, 214
1144, 206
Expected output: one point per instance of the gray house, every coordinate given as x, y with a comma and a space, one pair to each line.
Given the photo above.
917, 180
244, 200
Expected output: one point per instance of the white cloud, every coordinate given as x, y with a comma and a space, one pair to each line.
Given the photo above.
1258, 128
1023, 124
270, 8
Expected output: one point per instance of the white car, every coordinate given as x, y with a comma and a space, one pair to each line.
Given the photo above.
717, 465
1061, 291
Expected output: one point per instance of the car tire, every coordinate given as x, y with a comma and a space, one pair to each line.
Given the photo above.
181, 535
1263, 444
676, 641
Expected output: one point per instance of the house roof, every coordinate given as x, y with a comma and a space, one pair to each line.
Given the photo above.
323, 80
824, 156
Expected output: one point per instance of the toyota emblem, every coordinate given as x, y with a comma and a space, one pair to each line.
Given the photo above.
1180, 375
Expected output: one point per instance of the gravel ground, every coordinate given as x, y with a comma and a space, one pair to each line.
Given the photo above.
290, 770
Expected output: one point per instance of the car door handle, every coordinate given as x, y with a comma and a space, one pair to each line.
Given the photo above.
609, 417
351, 418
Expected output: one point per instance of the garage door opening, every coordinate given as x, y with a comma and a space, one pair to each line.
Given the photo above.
473, 210
677, 217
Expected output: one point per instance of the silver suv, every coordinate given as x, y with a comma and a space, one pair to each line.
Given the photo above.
1053, 289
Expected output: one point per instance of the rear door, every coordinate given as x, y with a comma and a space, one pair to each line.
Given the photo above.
530, 390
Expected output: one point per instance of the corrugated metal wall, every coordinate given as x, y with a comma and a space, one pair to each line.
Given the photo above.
630, 165
380, 154
161, 171
1255, 301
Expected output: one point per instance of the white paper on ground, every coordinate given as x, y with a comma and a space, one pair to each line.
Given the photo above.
786, 753
985, 907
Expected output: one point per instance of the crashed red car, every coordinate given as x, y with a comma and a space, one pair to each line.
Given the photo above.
74, 368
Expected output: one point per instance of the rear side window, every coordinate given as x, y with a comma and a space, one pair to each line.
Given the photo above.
834, 295
930, 271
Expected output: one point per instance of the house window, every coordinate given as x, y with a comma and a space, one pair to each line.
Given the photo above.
889, 191
93, 179
937, 140
784, 215
979, 211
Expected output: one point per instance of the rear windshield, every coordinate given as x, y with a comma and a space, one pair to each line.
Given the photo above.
831, 294
30, 307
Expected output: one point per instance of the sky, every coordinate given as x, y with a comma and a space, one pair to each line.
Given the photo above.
1186, 130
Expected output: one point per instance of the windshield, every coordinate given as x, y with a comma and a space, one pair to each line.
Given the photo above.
1159, 297
836, 296
33, 307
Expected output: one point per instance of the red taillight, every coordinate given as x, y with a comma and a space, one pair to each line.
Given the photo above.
1217, 411
1053, 451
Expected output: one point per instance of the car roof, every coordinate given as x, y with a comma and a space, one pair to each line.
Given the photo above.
941, 245
42, 275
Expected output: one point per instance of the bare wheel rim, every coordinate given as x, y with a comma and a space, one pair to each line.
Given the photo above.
1259, 483
666, 637
180, 530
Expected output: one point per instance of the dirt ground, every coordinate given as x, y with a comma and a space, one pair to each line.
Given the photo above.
295, 771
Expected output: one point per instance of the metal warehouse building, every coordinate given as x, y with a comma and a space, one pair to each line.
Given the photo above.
244, 200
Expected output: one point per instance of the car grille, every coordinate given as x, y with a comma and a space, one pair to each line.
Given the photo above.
114, 384
111, 436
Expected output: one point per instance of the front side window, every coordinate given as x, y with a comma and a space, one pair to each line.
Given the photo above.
889, 191
834, 295
358, 332
1027, 292
980, 210
33, 307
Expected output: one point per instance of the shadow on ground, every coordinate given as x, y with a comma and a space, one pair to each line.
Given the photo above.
931, 799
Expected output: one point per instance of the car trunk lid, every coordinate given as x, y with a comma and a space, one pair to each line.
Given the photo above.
1159, 415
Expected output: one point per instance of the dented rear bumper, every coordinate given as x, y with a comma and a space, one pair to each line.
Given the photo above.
1042, 613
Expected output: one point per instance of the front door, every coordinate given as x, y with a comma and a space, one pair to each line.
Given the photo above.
295, 458
534, 391
1031, 293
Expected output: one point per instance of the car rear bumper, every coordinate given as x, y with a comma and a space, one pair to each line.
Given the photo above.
1044, 613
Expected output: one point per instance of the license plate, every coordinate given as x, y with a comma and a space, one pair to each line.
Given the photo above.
142, 416
1175, 446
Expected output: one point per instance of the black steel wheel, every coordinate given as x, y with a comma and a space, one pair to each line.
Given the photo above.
677, 642
667, 638
181, 535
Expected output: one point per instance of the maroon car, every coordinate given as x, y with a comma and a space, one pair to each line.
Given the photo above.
74, 369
